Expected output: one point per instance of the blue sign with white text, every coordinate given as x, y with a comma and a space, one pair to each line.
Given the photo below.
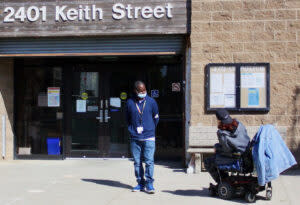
155, 93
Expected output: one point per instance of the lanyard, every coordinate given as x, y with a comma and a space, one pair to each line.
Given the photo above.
141, 112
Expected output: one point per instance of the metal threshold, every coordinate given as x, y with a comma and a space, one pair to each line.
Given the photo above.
97, 158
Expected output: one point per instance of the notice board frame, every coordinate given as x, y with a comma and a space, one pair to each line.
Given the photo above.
237, 107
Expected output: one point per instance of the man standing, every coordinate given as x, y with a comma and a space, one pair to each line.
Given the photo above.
142, 119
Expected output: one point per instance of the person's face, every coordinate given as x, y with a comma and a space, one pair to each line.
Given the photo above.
141, 89
219, 122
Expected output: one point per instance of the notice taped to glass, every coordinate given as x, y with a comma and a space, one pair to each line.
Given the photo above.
80, 105
53, 97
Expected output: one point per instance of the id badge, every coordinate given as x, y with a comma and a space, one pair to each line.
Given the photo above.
139, 130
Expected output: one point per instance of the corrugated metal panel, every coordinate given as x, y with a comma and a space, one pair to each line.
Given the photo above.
92, 45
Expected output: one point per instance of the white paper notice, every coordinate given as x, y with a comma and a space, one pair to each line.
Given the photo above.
43, 100
260, 80
80, 105
229, 101
92, 108
253, 80
229, 83
216, 99
216, 83
53, 97
115, 102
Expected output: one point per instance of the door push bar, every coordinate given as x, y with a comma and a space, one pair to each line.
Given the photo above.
100, 118
106, 117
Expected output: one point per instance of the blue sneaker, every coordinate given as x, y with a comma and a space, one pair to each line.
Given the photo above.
149, 188
138, 188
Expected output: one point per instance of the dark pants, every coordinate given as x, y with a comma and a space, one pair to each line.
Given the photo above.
211, 166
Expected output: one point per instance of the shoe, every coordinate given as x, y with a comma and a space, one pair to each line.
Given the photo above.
149, 188
138, 188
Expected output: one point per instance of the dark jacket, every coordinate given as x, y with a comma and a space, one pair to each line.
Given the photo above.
150, 117
230, 142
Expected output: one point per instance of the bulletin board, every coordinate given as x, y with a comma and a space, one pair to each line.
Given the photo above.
238, 86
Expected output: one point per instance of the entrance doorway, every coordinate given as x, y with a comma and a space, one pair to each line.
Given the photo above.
98, 110
94, 91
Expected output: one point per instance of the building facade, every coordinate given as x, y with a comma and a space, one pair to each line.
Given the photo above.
69, 67
85, 56
243, 31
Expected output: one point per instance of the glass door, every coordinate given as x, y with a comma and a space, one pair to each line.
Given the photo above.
98, 112
118, 88
98, 91
89, 137
85, 110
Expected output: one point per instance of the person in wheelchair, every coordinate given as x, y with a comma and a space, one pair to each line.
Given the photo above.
233, 142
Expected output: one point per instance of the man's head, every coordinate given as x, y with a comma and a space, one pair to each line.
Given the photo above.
140, 89
223, 116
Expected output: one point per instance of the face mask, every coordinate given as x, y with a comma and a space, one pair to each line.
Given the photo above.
142, 95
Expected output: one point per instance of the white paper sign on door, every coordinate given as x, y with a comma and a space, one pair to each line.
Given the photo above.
53, 97
80, 105
115, 102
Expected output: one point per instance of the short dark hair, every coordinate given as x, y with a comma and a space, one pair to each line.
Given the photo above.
137, 83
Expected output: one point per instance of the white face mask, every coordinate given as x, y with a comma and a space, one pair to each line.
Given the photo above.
142, 95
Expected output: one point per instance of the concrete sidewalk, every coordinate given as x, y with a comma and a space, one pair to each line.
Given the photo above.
109, 182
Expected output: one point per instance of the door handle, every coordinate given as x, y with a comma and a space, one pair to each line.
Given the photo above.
100, 118
106, 117
101, 104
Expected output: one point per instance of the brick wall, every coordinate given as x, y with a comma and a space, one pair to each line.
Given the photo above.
225, 31
6, 104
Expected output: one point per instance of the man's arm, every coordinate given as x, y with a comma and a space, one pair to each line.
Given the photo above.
222, 136
155, 113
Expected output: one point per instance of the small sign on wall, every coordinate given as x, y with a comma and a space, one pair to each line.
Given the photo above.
155, 93
175, 87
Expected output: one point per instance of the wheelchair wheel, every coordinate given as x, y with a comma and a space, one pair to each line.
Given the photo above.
225, 191
269, 194
212, 190
250, 197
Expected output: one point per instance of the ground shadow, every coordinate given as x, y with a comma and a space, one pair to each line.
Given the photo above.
205, 193
295, 171
174, 165
111, 183
295, 129
190, 192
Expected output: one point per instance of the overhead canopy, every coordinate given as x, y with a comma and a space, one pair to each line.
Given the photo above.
93, 46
